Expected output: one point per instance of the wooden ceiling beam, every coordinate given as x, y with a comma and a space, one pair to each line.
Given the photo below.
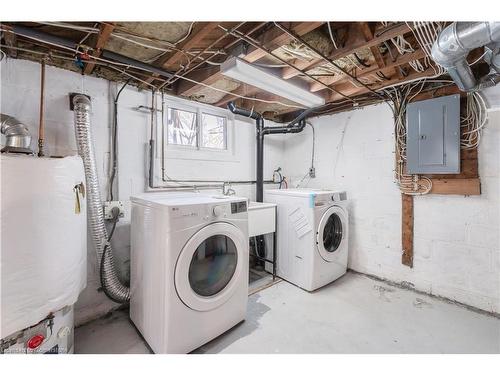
355, 43
271, 39
105, 31
11, 41
276, 38
243, 89
348, 89
367, 32
200, 32
205, 29
400, 60
349, 37
289, 72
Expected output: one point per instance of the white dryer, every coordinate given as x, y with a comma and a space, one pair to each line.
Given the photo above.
189, 268
312, 235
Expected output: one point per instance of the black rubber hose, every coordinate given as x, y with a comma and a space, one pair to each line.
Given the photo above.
114, 143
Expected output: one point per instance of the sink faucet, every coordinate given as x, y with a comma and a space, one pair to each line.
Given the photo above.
227, 190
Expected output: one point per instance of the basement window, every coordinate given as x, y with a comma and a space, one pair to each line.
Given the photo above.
213, 131
196, 129
182, 127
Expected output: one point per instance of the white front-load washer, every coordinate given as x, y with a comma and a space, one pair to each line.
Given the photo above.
312, 235
189, 268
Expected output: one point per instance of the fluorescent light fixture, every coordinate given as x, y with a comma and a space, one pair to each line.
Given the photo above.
264, 79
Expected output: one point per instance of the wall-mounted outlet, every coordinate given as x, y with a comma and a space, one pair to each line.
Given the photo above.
312, 172
108, 206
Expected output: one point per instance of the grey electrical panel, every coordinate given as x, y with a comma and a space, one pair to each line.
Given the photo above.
433, 136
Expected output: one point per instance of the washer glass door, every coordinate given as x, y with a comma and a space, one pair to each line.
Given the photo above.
331, 232
210, 266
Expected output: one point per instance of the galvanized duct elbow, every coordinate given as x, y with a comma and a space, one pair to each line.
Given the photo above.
111, 285
454, 43
17, 135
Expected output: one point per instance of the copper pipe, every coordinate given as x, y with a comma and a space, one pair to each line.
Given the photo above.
41, 128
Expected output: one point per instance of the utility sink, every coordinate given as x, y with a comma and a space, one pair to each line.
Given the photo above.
261, 218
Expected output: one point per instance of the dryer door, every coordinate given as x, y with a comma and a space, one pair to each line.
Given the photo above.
331, 233
210, 266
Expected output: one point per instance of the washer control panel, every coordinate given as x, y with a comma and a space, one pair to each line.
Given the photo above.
237, 207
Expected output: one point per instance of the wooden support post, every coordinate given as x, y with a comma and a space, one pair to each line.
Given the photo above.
407, 229
41, 124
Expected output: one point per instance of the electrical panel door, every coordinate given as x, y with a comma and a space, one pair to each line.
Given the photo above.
433, 136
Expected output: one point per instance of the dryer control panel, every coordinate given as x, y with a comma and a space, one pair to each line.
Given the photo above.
323, 199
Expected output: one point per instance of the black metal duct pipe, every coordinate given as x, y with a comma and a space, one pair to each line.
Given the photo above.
135, 63
59, 41
243, 112
42, 36
296, 126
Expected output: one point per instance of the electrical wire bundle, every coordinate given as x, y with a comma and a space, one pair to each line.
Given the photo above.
408, 184
426, 34
473, 121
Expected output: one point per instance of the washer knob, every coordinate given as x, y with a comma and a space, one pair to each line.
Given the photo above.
217, 211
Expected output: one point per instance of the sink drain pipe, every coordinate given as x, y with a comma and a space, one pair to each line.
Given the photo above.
296, 126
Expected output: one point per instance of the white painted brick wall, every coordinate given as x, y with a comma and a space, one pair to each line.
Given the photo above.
456, 246
20, 90
457, 251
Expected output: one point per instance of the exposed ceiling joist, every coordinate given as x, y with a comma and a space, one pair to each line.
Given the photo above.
367, 31
205, 29
243, 89
200, 32
273, 38
388, 63
348, 89
105, 31
355, 43
207, 46
11, 41
289, 72
326, 59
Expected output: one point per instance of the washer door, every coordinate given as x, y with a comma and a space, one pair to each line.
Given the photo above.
210, 265
331, 232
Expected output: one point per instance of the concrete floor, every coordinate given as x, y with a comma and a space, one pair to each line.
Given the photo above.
355, 314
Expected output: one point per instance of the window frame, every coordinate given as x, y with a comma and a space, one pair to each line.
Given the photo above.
200, 132
177, 151
197, 132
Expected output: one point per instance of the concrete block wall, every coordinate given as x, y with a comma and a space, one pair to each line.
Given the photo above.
456, 245
20, 93
457, 251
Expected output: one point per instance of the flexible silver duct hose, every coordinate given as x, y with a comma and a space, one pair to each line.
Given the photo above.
454, 43
17, 135
112, 286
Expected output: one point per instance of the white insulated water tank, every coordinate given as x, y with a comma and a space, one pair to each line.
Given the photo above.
43, 257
